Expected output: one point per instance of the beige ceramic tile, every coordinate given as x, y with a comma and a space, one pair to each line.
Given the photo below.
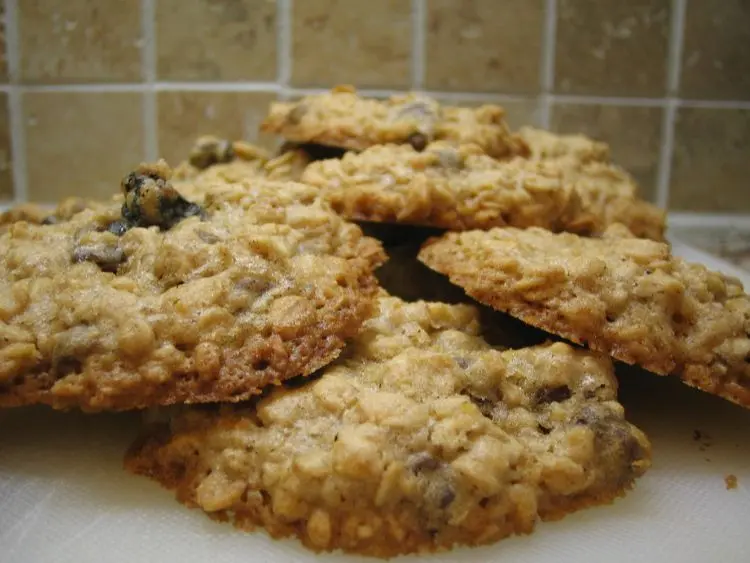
367, 44
183, 116
80, 41
6, 173
611, 47
710, 167
209, 40
3, 47
716, 52
484, 45
80, 144
634, 134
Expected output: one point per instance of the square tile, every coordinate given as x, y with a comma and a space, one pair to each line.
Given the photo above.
6, 159
210, 40
612, 48
716, 51
184, 116
80, 41
710, 165
633, 133
80, 144
367, 44
484, 45
3, 46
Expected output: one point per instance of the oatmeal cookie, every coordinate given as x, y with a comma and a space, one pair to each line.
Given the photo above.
38, 214
215, 160
421, 436
572, 149
167, 301
461, 188
341, 118
624, 296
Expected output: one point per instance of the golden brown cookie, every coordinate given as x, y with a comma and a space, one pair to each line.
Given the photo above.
545, 145
166, 301
421, 436
460, 188
341, 118
627, 297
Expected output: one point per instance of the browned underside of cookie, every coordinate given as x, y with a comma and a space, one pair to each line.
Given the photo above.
647, 356
265, 360
143, 458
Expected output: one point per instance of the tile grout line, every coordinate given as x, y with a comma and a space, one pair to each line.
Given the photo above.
283, 48
547, 63
15, 104
418, 33
674, 61
148, 68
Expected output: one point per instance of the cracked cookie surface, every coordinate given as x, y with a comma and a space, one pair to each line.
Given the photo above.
461, 188
166, 300
421, 436
623, 296
341, 118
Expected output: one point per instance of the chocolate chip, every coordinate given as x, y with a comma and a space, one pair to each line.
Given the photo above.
543, 429
108, 258
418, 141
553, 394
50, 220
315, 151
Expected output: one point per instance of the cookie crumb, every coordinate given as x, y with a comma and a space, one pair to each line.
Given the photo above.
730, 481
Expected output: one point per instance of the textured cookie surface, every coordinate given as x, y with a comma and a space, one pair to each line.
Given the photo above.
343, 119
461, 188
419, 437
165, 301
544, 145
627, 297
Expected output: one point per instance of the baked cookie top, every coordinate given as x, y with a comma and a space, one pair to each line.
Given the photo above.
38, 214
165, 301
419, 437
627, 297
460, 188
341, 118
544, 145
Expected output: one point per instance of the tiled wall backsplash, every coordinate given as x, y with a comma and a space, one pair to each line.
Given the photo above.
91, 88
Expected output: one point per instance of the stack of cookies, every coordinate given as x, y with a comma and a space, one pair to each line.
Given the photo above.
455, 394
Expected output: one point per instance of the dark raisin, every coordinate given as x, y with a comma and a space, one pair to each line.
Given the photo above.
315, 151
447, 497
423, 461
50, 220
553, 394
108, 258
209, 150
261, 364
151, 200
118, 227
418, 141
485, 405
543, 429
